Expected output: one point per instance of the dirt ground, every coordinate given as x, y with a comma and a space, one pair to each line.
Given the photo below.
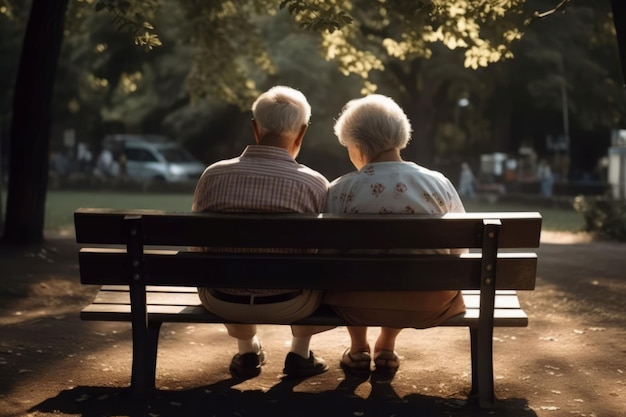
570, 361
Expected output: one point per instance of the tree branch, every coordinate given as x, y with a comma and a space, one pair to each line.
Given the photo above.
542, 15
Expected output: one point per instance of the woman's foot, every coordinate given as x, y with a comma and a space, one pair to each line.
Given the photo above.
386, 362
356, 364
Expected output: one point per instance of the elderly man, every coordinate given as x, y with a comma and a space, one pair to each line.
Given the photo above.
267, 178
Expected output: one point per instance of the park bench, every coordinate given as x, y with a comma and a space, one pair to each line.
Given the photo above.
140, 258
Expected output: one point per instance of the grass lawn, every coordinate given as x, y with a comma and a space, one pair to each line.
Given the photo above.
555, 219
60, 206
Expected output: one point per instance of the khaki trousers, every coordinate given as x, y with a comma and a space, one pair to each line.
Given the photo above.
279, 313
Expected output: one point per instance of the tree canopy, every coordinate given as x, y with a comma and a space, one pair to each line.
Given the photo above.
190, 69
360, 35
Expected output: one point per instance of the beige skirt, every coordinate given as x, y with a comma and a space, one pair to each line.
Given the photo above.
398, 309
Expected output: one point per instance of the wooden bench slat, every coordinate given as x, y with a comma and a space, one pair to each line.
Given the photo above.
508, 301
460, 230
118, 297
197, 314
150, 288
177, 289
174, 297
319, 271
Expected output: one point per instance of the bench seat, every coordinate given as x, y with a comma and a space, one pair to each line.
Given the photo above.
169, 304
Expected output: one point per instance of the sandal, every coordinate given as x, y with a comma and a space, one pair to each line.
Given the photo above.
387, 362
356, 364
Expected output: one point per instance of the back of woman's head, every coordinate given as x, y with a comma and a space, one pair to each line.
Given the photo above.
373, 123
281, 110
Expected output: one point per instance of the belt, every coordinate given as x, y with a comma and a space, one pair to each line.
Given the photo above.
253, 299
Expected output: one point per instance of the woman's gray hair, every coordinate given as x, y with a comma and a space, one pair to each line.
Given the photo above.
374, 123
281, 110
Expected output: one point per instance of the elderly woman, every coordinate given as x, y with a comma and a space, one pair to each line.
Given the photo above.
375, 129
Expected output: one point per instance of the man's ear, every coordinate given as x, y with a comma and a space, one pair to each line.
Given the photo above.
255, 131
298, 141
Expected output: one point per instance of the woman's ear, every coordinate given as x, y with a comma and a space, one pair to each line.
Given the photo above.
356, 156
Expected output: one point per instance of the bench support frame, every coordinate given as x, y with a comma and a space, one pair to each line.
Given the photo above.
481, 336
138, 273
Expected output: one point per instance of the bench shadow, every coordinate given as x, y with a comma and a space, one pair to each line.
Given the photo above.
221, 399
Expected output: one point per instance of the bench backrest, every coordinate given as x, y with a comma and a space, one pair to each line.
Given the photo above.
154, 250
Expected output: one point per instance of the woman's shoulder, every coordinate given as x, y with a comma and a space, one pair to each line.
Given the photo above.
437, 175
343, 179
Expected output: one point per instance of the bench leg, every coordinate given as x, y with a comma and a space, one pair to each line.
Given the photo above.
143, 377
482, 368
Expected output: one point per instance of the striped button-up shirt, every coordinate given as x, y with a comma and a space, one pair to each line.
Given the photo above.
264, 179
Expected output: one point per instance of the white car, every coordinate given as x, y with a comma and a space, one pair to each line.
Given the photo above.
155, 158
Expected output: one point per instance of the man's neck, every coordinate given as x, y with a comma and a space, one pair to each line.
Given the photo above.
280, 142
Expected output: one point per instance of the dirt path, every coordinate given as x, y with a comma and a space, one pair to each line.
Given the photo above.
570, 361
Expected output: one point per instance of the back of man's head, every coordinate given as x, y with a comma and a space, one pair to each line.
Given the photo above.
281, 111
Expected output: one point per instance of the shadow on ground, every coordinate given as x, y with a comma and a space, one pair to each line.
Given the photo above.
221, 399
568, 362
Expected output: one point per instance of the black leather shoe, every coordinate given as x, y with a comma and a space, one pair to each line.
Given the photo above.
247, 365
298, 367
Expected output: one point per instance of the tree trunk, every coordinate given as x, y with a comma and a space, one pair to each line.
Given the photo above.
417, 101
29, 140
421, 112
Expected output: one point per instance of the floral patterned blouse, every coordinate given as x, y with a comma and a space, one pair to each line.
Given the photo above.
393, 187
396, 187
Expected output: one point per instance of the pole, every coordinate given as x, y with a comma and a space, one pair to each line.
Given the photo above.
565, 111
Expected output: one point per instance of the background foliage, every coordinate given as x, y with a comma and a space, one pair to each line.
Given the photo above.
206, 61
525, 70
604, 217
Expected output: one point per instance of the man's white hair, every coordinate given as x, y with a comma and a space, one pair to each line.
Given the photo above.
281, 110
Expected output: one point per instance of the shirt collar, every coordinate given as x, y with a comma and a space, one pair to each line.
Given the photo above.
268, 152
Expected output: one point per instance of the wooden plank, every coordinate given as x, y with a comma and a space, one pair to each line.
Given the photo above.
317, 271
191, 298
160, 297
501, 302
197, 314
105, 226
180, 289
151, 288
507, 311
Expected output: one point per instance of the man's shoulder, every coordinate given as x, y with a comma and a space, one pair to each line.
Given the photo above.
313, 174
221, 166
